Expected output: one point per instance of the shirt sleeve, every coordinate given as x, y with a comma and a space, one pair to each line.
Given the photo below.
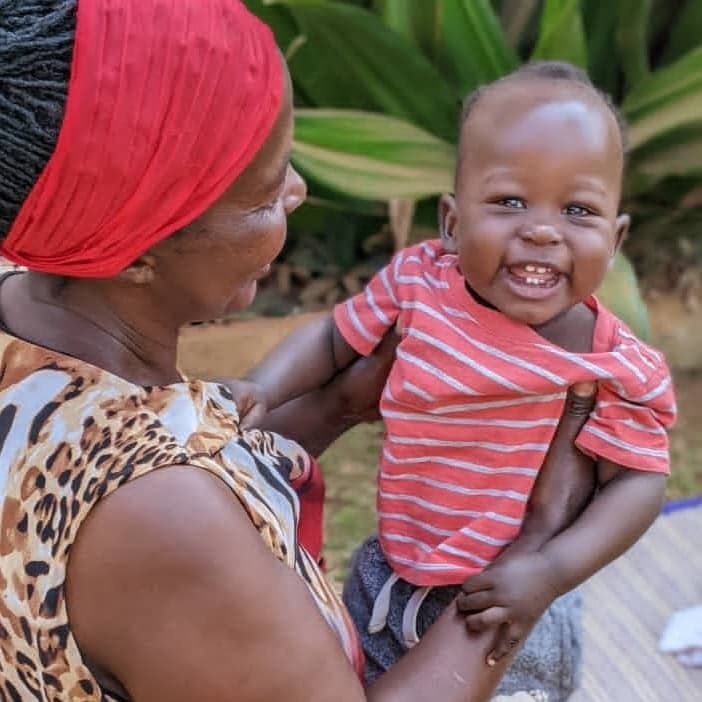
364, 319
633, 413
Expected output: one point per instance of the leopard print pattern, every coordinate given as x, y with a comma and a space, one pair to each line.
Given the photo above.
71, 434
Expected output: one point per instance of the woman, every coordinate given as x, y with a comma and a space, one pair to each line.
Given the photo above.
147, 189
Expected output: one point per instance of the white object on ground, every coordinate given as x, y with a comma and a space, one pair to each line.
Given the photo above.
536, 696
683, 636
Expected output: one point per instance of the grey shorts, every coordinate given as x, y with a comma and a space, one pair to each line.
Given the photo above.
549, 661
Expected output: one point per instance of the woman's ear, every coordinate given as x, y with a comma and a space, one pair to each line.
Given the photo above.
447, 223
140, 272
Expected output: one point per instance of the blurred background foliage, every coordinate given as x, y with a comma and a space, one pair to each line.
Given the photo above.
378, 89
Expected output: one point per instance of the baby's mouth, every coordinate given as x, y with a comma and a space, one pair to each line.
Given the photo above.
535, 274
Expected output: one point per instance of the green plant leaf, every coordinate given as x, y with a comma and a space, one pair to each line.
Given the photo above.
278, 19
472, 48
667, 99
620, 293
600, 20
561, 36
371, 156
515, 16
350, 59
674, 153
685, 32
632, 38
463, 37
415, 21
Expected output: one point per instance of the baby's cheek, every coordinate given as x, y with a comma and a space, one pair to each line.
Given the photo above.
590, 270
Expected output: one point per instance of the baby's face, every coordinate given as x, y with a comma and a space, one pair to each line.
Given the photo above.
534, 221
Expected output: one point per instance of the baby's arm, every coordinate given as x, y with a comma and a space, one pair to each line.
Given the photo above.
622, 511
518, 587
310, 357
306, 360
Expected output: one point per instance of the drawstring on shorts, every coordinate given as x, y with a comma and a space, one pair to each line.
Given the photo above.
381, 608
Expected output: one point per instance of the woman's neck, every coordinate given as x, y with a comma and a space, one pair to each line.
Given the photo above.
94, 322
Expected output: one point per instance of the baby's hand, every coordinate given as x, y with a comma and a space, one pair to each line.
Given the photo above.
512, 593
250, 401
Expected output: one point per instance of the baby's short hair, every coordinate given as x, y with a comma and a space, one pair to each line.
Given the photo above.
550, 71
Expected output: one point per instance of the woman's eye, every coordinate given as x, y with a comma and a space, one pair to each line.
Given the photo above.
577, 211
512, 202
269, 206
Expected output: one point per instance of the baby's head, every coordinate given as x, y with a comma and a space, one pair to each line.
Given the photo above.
535, 218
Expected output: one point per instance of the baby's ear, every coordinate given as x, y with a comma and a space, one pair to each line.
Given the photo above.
447, 223
621, 232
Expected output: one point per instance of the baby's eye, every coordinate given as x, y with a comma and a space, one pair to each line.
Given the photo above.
513, 202
577, 211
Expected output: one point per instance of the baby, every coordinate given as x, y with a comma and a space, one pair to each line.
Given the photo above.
498, 320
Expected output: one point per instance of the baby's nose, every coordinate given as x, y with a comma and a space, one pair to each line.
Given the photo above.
542, 234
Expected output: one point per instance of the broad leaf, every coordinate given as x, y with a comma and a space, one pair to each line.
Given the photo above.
561, 36
415, 21
472, 48
515, 17
686, 31
669, 98
371, 156
632, 38
278, 19
674, 153
600, 20
350, 59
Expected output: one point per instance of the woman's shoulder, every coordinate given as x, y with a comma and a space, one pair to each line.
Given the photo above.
71, 435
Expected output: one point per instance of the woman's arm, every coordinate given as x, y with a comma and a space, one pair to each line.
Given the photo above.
172, 592
566, 481
513, 590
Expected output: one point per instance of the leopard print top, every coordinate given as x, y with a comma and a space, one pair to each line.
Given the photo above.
71, 433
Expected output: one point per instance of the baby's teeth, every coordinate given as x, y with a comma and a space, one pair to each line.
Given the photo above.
531, 268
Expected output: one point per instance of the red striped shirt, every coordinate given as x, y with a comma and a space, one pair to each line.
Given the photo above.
471, 406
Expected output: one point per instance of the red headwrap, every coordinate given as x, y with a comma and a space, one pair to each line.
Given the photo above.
168, 102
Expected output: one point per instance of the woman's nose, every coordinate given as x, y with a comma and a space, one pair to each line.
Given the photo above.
295, 190
542, 234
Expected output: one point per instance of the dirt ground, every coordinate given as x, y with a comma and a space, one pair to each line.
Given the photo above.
230, 349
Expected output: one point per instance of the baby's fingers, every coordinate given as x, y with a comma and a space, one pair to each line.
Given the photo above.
475, 601
253, 416
508, 640
487, 619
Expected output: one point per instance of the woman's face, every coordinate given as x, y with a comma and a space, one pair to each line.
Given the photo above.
212, 267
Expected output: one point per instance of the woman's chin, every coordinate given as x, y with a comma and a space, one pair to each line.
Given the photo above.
242, 298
